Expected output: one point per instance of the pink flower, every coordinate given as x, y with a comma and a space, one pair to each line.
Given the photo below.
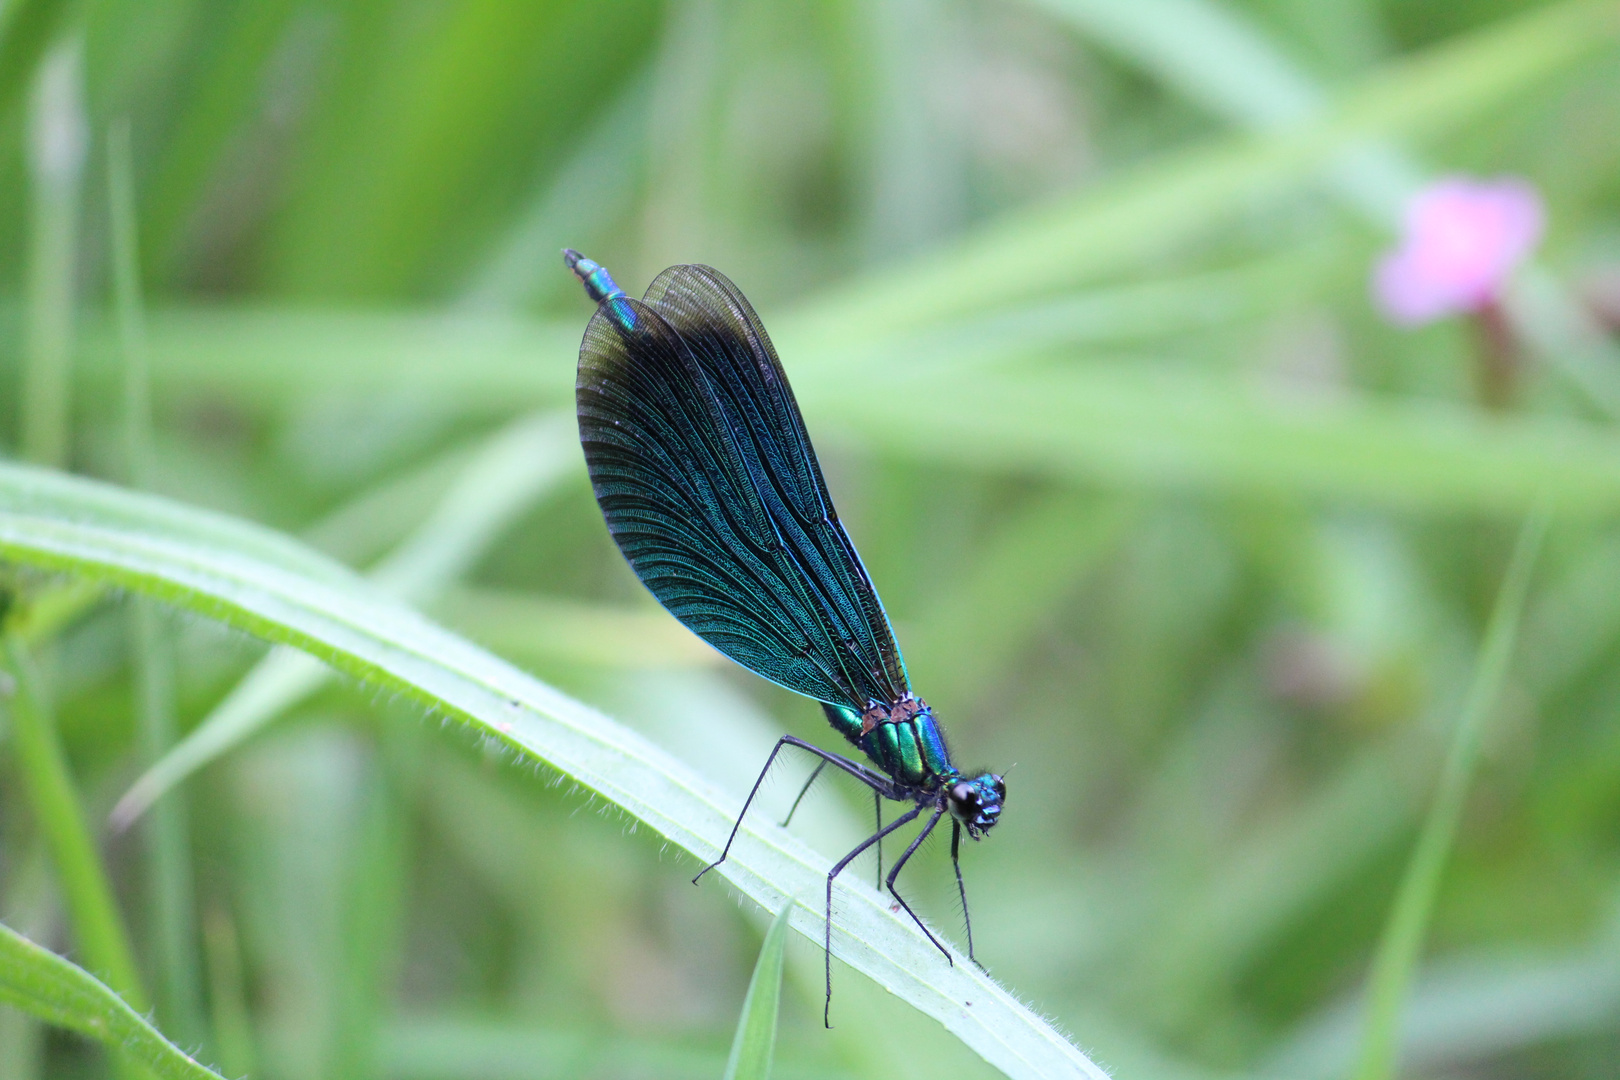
1463, 240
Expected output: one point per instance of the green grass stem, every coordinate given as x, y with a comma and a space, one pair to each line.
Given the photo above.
97, 923
1399, 949
227, 994
170, 902
754, 1045
129, 306
56, 160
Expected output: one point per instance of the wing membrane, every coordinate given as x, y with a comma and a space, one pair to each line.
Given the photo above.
706, 476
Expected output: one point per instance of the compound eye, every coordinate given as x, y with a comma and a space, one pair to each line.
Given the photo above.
964, 793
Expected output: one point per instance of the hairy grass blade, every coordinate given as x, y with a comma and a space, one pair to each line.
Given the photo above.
153, 545
43, 984
516, 467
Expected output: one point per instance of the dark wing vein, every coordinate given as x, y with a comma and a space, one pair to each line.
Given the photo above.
710, 486
725, 335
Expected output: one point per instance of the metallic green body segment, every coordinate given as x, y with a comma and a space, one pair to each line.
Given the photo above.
601, 287
911, 751
887, 738
910, 760
845, 721
934, 754
599, 284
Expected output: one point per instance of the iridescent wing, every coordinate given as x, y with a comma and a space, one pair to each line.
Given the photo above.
701, 464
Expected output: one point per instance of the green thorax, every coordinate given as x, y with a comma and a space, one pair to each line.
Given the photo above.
910, 747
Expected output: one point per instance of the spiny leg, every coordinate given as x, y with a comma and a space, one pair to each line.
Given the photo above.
838, 868
802, 793
877, 814
894, 873
961, 890
873, 780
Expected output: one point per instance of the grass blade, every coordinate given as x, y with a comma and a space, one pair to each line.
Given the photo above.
754, 1045
1180, 195
1121, 423
1216, 57
169, 879
153, 545
29, 903
43, 984
594, 185
130, 308
1143, 428
549, 628
29, 28
56, 161
1203, 49
1402, 941
516, 467
97, 923
483, 362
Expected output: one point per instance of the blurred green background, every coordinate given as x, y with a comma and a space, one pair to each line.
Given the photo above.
1173, 528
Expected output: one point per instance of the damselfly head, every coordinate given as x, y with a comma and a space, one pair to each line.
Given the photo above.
976, 803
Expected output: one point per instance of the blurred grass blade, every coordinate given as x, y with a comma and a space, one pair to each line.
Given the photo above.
754, 1045
28, 902
1159, 429
227, 994
229, 83
1220, 59
97, 924
1204, 49
1149, 210
152, 545
1470, 1007
27, 28
470, 361
1217, 57
454, 1046
1402, 941
516, 466
1141, 424
1106, 229
52, 609
56, 151
43, 984
171, 910
552, 628
592, 188
976, 625
127, 300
